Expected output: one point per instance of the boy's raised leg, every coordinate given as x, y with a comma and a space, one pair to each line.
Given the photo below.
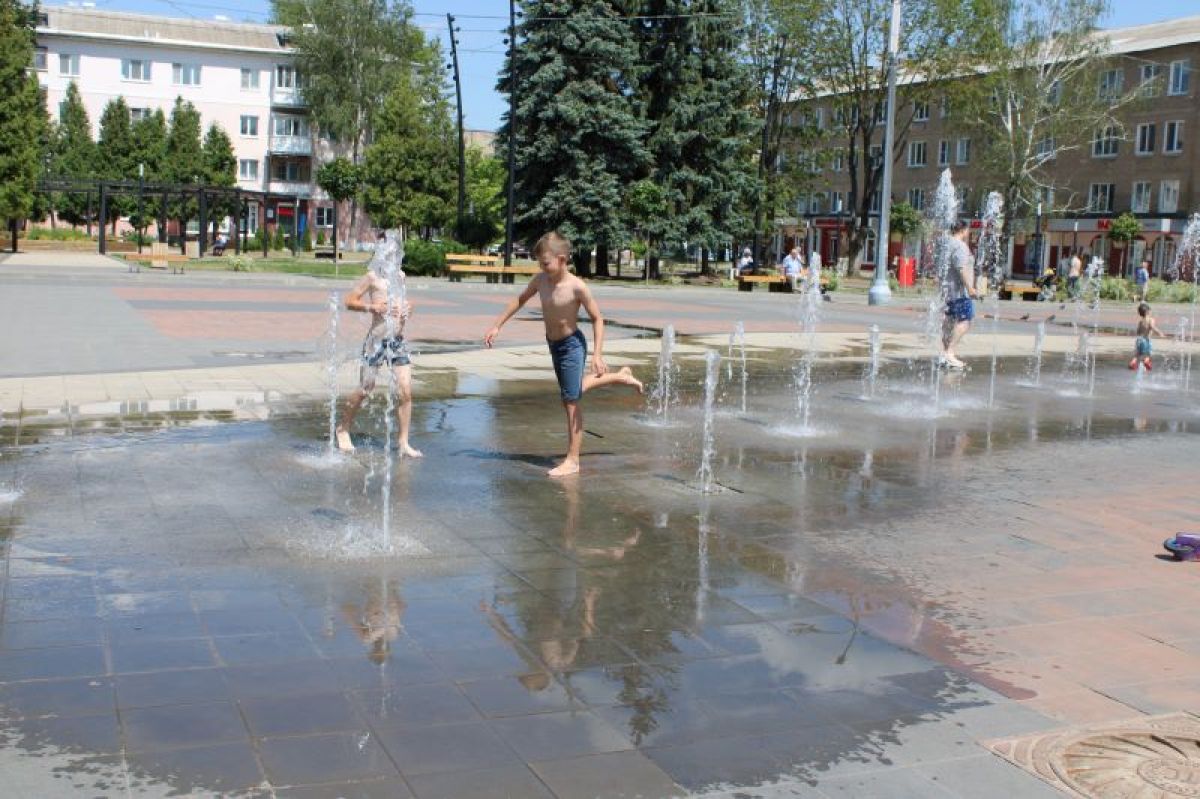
570, 464
624, 376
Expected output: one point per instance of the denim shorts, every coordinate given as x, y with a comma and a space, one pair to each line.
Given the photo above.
961, 309
1142, 347
570, 357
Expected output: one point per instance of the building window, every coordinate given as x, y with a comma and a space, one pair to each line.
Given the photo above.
249, 126
185, 74
964, 152
1046, 147
39, 59
1110, 84
875, 155
325, 216
135, 69
838, 162
248, 169
837, 202
943, 153
249, 79
920, 112
285, 77
1173, 137
286, 170
916, 154
944, 109
817, 204
290, 126
1054, 93
138, 114
881, 112
876, 201
1168, 197
68, 64
1100, 197
1149, 82
1145, 138
916, 198
1140, 202
1180, 81
963, 193
1104, 145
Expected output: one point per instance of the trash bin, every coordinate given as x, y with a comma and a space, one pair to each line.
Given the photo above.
906, 274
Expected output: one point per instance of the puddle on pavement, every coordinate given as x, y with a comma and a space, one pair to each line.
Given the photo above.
171, 616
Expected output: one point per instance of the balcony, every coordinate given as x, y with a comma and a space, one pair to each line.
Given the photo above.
290, 145
291, 188
288, 97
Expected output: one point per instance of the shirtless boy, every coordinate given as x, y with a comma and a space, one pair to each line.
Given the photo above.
384, 345
562, 294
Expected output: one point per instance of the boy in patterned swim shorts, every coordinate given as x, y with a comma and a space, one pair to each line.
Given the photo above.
384, 344
562, 294
1141, 345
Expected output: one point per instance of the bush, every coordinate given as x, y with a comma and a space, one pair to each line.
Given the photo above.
306, 240
894, 284
1162, 291
132, 237
833, 279
1115, 288
320, 238
423, 257
279, 242
238, 263
56, 234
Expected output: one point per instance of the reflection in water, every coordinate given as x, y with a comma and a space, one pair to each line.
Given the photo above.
378, 620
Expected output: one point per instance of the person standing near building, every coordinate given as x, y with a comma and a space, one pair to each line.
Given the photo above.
958, 290
793, 265
1074, 270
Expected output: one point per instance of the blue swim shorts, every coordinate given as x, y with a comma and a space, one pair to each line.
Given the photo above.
570, 358
961, 309
1142, 346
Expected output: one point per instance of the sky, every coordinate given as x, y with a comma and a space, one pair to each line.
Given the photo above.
481, 47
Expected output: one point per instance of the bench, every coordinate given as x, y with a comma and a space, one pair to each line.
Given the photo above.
490, 266
159, 256
774, 283
327, 252
1026, 291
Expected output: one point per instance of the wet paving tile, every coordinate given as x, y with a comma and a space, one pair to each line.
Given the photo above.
283, 679
251, 621
77, 697
986, 777
153, 626
95, 735
179, 687
484, 661
137, 656
384, 670
226, 769
648, 720
554, 736
300, 715
56, 663
506, 782
438, 703
147, 602
536, 692
324, 758
174, 726
896, 783
452, 747
368, 789
592, 777
252, 649
42, 608
54, 632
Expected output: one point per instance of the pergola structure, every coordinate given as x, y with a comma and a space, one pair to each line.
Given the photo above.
104, 190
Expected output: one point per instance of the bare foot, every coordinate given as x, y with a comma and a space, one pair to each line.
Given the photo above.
565, 469
407, 451
628, 379
343, 441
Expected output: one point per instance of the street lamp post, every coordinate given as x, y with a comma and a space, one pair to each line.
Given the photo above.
880, 293
141, 204
1037, 243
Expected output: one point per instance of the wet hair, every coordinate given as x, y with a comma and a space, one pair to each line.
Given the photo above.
1143, 309
552, 243
958, 226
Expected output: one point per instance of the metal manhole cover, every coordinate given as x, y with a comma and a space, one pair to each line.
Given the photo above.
1148, 758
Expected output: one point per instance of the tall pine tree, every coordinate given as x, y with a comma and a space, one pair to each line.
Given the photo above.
21, 113
220, 169
184, 160
116, 155
149, 136
579, 142
74, 156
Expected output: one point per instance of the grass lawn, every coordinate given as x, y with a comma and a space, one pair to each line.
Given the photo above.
286, 265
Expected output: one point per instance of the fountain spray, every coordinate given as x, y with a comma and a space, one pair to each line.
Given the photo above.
810, 312
704, 475
871, 375
387, 263
945, 213
331, 367
988, 262
737, 342
663, 394
1039, 344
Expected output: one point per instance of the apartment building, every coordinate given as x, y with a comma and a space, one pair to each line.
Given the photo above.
1150, 168
239, 76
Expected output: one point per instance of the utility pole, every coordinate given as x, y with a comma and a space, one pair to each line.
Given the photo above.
512, 130
462, 147
141, 225
880, 292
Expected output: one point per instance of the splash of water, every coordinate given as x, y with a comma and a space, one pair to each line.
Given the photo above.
331, 367
944, 215
1185, 352
1039, 345
810, 316
871, 373
737, 350
704, 475
663, 395
387, 263
989, 263
1187, 260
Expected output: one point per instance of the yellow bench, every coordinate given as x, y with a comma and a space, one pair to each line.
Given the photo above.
159, 256
774, 282
490, 266
1026, 291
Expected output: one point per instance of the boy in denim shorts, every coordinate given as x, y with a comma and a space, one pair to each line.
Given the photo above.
959, 292
562, 294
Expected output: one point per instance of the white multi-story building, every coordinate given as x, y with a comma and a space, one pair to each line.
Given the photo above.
239, 76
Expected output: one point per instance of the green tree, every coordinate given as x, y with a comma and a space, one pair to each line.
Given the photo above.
21, 113
942, 40
117, 156
350, 55
149, 136
408, 171
905, 220
1123, 230
484, 218
341, 179
220, 169
184, 164
74, 156
579, 139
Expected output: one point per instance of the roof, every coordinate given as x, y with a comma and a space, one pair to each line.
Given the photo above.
92, 23
1156, 35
